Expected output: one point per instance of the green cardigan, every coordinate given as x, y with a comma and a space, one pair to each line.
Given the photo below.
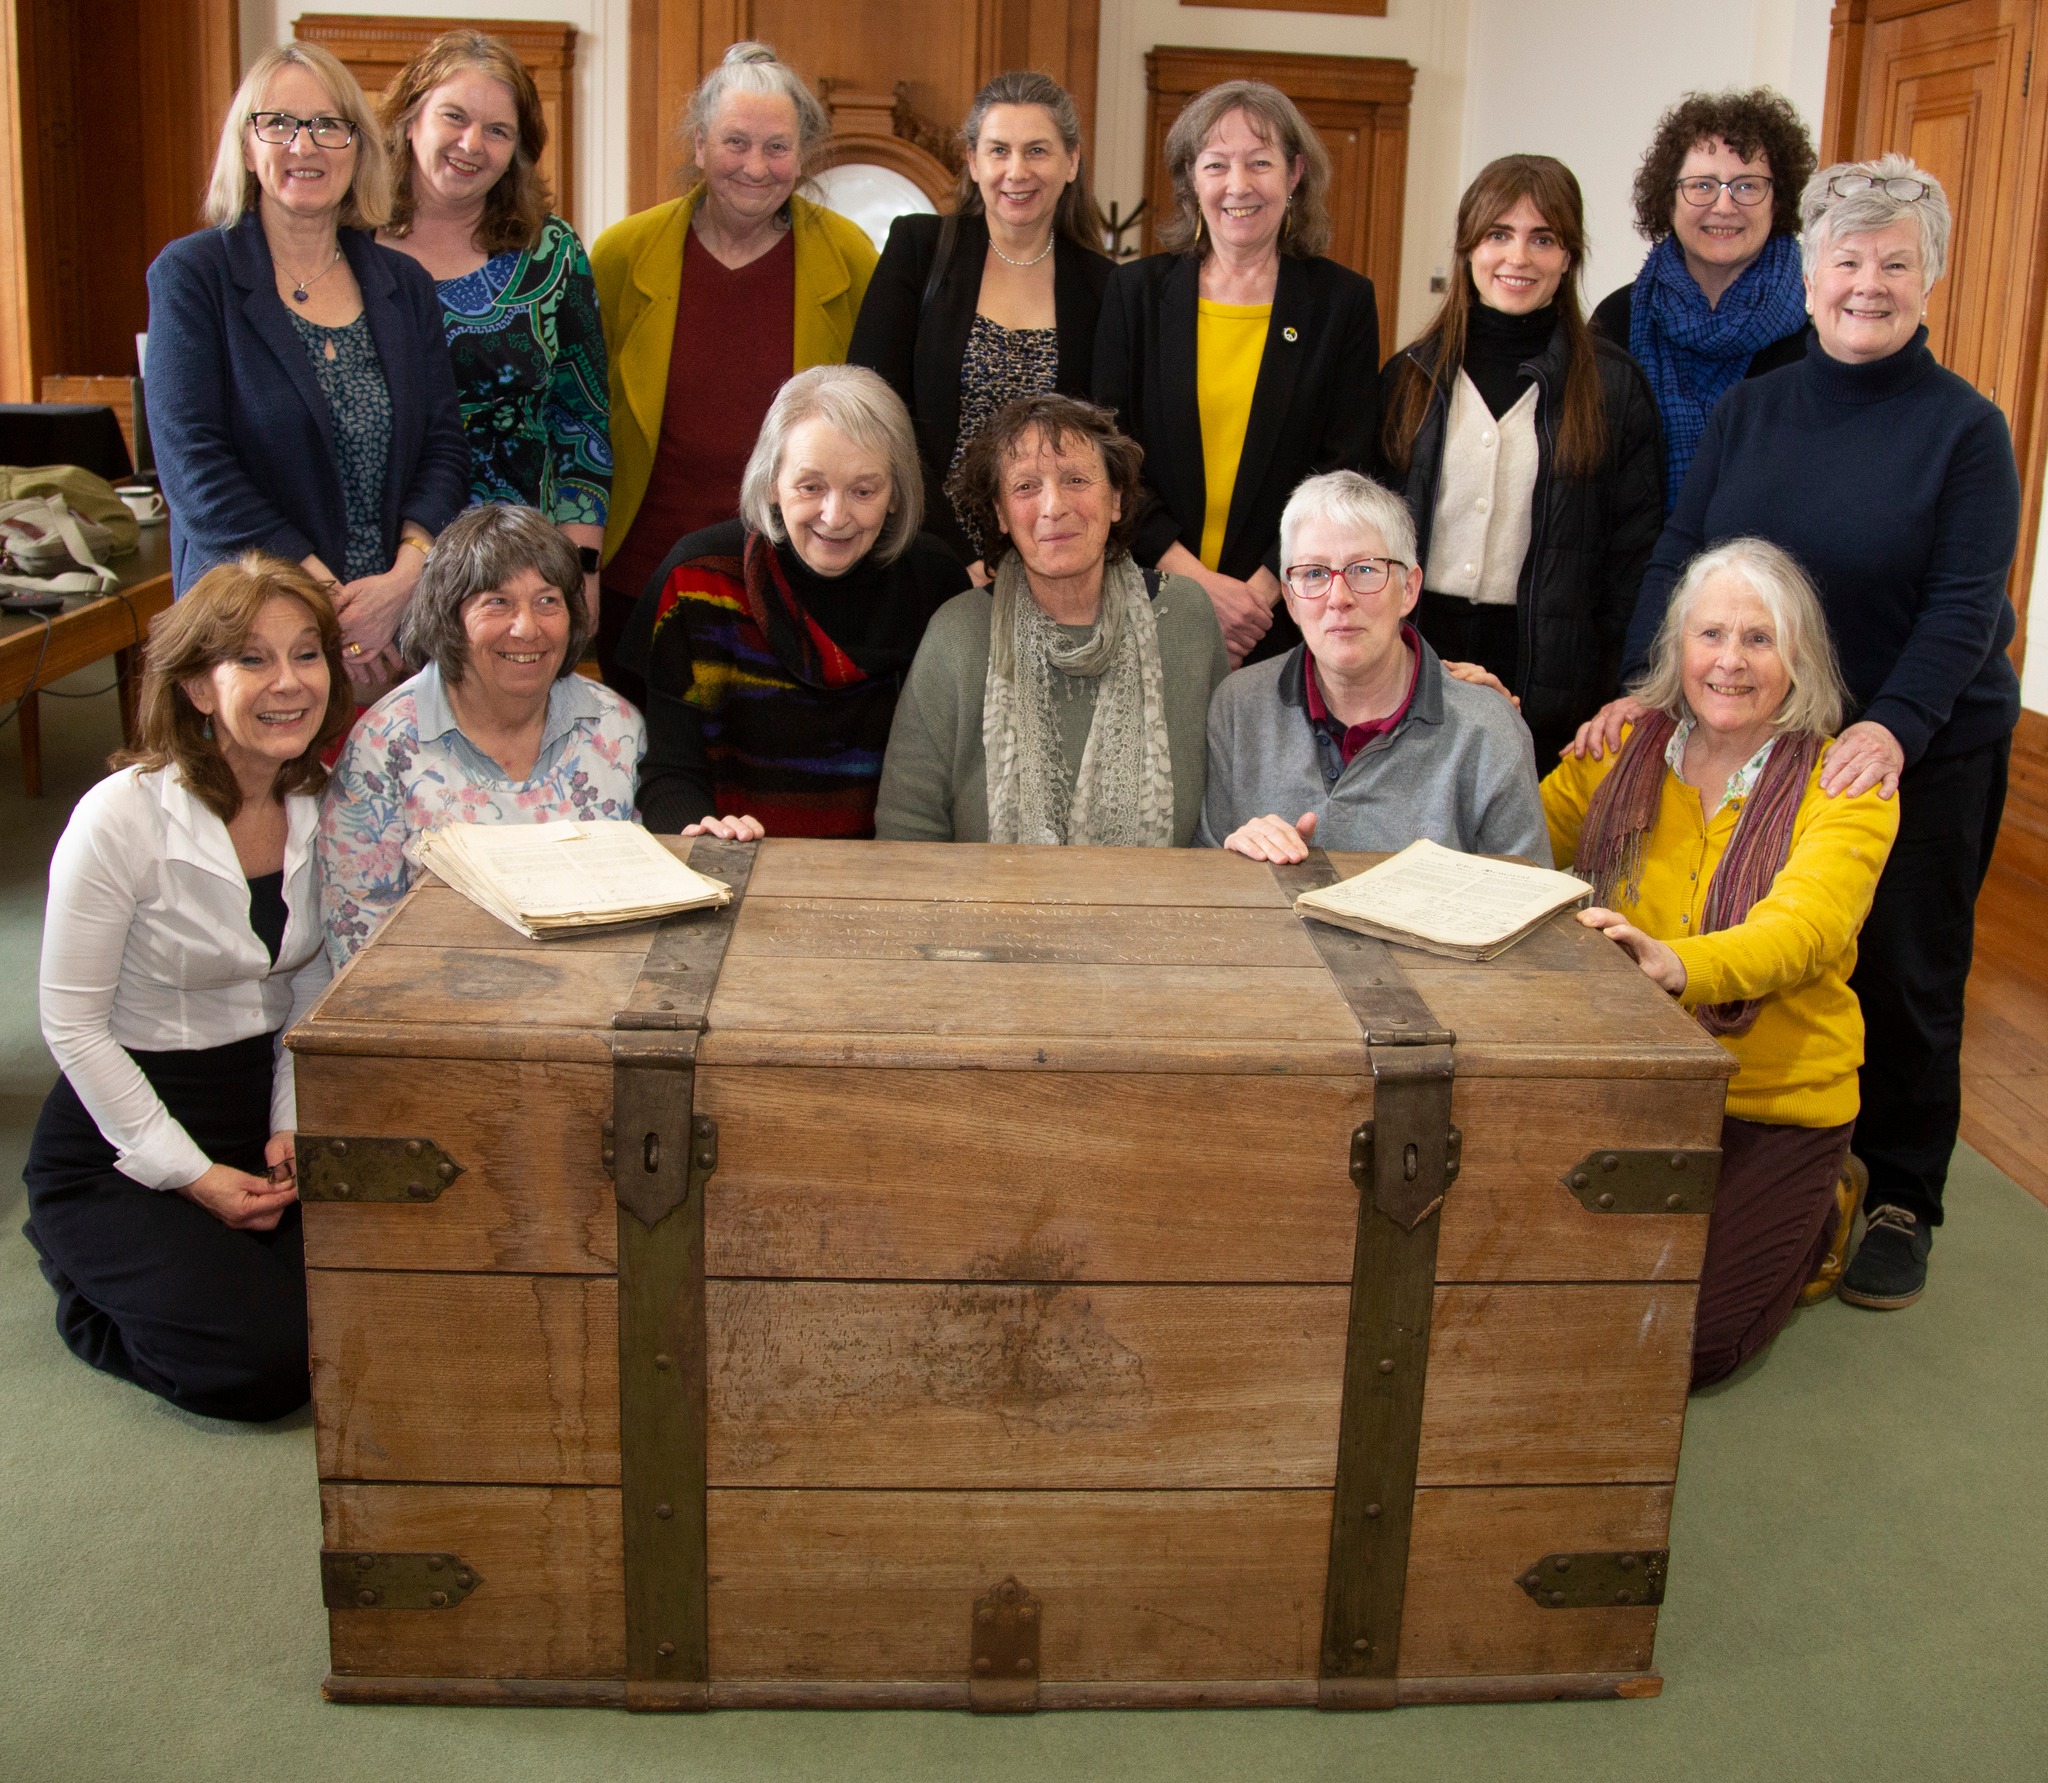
935, 775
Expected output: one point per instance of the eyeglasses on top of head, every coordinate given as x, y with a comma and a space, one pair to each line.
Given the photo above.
1750, 189
1369, 575
1905, 187
282, 128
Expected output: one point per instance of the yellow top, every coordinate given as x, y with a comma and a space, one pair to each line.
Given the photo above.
637, 265
1230, 340
1797, 1066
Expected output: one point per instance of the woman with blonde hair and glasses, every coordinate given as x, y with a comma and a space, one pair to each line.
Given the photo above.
1722, 867
181, 938
1240, 359
464, 127
1892, 481
300, 397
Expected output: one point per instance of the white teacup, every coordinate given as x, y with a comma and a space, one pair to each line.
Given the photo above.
142, 501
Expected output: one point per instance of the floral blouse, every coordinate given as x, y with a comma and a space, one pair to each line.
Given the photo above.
529, 358
407, 768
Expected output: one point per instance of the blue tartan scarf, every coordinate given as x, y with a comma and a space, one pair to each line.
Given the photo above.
1694, 353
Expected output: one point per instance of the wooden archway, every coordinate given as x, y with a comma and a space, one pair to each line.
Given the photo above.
878, 128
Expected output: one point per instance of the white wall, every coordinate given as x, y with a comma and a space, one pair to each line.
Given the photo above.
1585, 80
599, 76
1429, 33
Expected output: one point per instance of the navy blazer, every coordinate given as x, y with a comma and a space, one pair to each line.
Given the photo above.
1315, 407
919, 348
244, 440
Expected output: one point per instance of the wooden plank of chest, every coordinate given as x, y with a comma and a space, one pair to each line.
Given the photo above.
1003, 1175
981, 873
874, 1585
975, 1384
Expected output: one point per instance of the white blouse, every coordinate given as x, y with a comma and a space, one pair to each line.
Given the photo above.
147, 944
1485, 499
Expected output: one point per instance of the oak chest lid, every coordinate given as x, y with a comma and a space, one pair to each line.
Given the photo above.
1004, 958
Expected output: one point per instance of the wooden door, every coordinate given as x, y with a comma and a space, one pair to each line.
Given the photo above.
1951, 83
1358, 105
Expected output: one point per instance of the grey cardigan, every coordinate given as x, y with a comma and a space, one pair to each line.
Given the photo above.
935, 775
1459, 769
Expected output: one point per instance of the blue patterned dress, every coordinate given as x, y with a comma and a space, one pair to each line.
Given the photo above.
530, 369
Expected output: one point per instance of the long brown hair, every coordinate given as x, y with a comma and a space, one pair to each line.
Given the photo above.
516, 207
206, 627
1075, 217
1553, 189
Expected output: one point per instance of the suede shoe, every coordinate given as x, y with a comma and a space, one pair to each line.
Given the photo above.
1889, 1269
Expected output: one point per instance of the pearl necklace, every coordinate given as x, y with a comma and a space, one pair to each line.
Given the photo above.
1033, 261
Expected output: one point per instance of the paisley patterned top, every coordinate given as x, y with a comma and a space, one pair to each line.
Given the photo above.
1000, 365
352, 379
407, 768
530, 371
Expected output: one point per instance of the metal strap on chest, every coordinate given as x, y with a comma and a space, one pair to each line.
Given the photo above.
663, 1153
1402, 1160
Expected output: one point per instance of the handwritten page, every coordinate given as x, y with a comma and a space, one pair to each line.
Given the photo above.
547, 877
1455, 900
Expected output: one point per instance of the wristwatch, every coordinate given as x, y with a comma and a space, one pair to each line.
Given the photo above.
592, 559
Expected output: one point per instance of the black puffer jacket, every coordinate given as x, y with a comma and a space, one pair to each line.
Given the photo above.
1589, 537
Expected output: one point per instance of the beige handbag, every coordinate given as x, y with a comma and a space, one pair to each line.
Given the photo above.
59, 527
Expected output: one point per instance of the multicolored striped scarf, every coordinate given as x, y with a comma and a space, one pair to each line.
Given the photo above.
1616, 833
1694, 352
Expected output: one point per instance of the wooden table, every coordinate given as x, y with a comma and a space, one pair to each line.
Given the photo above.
33, 654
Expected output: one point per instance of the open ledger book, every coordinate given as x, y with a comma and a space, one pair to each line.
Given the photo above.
1435, 898
556, 878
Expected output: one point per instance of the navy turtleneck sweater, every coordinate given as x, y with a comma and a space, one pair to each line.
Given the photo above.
1893, 484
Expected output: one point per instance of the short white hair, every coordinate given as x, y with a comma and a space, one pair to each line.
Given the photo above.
1817, 698
1344, 498
855, 402
1825, 218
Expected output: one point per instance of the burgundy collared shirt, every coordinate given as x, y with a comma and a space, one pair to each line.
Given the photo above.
1350, 739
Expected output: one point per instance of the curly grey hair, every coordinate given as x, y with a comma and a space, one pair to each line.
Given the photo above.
1825, 218
479, 550
1346, 499
858, 403
1817, 700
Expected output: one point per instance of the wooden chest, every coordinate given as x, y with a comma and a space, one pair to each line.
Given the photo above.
996, 1276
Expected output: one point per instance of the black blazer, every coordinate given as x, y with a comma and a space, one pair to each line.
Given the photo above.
1316, 407
919, 349
244, 440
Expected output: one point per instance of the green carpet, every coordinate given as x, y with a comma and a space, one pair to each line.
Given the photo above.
1858, 1586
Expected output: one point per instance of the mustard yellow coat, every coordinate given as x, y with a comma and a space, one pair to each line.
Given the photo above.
638, 266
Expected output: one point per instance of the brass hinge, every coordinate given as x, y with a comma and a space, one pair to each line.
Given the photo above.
1621, 1181
354, 1580
337, 1167
1598, 1581
1002, 1677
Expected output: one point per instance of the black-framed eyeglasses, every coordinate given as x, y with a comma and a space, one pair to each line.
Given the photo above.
1751, 189
1905, 187
1369, 575
282, 128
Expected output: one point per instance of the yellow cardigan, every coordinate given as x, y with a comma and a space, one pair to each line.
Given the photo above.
1797, 1066
638, 267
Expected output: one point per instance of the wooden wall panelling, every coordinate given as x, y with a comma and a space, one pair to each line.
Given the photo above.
17, 367
934, 53
1949, 82
375, 48
1357, 104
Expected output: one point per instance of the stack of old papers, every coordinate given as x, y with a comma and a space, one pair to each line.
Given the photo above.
557, 878
1463, 905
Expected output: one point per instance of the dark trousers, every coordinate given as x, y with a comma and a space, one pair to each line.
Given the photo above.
1912, 963
151, 1287
1459, 630
1773, 1217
